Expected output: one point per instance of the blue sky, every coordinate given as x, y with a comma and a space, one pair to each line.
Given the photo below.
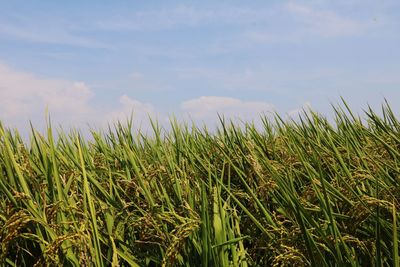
96, 61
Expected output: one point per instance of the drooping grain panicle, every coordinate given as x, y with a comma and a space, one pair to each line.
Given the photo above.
308, 191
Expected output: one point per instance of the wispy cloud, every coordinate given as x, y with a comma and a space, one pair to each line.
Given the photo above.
256, 78
47, 34
247, 79
140, 81
185, 16
296, 22
324, 23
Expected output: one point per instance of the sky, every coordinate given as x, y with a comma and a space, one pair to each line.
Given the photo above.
94, 62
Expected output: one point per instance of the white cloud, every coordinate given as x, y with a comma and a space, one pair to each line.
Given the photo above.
24, 96
128, 106
206, 109
294, 113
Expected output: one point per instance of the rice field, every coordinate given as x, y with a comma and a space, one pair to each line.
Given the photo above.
302, 192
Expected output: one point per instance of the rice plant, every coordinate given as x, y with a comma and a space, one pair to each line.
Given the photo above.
302, 192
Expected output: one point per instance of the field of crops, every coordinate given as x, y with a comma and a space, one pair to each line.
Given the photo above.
294, 193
